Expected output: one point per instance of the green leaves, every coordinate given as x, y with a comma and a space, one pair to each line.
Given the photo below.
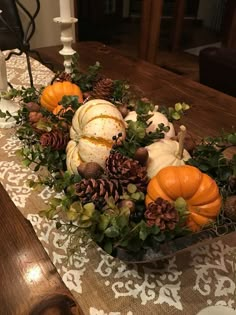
103, 223
70, 101
84, 80
231, 138
35, 155
26, 95
108, 246
209, 158
26, 162
112, 232
146, 230
2, 114
120, 91
143, 108
176, 112
136, 131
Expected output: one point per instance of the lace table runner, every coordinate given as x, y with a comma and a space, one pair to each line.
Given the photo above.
103, 285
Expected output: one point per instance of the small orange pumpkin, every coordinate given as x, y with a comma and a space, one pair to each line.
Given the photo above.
52, 95
199, 191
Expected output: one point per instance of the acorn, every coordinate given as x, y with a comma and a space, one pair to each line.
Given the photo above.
32, 107
230, 207
34, 117
141, 155
90, 170
127, 203
123, 110
190, 142
64, 125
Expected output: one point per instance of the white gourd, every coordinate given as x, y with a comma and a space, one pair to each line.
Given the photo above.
93, 126
156, 119
166, 152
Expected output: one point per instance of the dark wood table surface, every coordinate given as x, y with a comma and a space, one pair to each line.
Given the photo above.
211, 111
30, 284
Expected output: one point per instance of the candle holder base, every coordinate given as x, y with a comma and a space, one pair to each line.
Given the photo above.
11, 107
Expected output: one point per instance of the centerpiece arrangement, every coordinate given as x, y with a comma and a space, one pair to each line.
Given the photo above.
131, 179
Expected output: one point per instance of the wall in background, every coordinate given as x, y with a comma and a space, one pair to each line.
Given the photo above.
47, 32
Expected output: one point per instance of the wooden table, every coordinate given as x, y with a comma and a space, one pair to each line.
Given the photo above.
211, 111
101, 284
30, 284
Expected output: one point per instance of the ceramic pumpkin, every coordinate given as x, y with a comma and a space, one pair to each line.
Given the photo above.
53, 94
163, 153
155, 120
93, 126
199, 191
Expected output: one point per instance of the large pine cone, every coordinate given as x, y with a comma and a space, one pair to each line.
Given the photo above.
162, 213
126, 170
56, 139
98, 190
103, 89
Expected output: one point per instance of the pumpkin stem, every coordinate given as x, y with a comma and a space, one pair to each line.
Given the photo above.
181, 137
182, 207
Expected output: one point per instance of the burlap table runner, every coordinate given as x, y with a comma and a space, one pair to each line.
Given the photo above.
102, 285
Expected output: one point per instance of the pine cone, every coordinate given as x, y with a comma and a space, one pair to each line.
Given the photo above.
97, 190
103, 89
126, 170
64, 76
56, 139
161, 213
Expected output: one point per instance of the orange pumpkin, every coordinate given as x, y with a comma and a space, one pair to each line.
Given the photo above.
199, 191
52, 95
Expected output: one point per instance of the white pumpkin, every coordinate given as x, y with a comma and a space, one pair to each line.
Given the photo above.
164, 153
93, 126
156, 119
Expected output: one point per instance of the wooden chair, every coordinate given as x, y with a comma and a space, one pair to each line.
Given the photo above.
151, 25
229, 25
150, 29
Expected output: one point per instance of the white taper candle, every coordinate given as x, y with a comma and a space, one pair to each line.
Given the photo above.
65, 9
